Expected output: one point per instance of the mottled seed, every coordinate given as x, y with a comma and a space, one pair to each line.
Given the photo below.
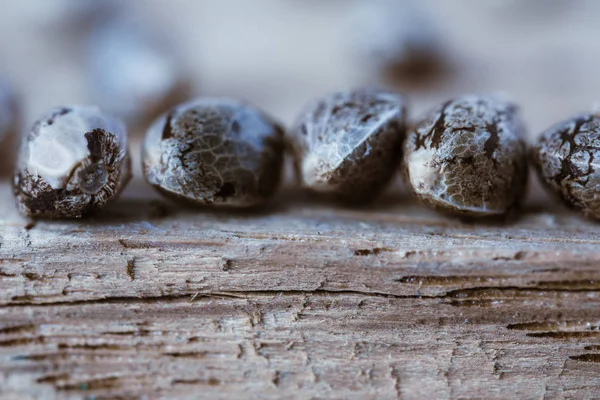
217, 152
72, 162
468, 157
348, 145
565, 158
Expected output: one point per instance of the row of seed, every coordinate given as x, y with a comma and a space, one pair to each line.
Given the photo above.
468, 157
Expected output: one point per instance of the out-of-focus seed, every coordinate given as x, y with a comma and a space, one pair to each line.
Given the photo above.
396, 36
132, 72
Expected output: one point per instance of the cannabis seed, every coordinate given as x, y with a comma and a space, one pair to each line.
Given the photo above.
348, 145
132, 71
215, 152
565, 158
468, 157
396, 36
72, 162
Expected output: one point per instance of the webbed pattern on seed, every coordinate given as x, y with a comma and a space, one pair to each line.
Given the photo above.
215, 152
349, 142
468, 156
566, 158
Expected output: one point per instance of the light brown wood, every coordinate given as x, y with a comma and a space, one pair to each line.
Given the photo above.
308, 301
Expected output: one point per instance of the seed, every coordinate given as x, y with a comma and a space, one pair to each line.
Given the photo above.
9, 125
217, 152
565, 158
348, 145
468, 157
396, 36
72, 162
132, 72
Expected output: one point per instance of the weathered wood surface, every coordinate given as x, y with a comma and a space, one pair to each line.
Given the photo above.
307, 301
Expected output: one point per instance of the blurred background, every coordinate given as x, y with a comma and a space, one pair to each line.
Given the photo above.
278, 54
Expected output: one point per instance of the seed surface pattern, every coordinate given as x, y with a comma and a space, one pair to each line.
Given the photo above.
348, 145
468, 157
71, 163
215, 152
566, 160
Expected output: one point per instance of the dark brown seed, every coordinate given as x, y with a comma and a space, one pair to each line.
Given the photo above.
566, 160
215, 152
71, 163
348, 145
468, 157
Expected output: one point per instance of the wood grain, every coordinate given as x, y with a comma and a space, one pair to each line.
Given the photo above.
308, 300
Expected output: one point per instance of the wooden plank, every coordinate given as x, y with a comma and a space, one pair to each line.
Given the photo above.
307, 300
311, 300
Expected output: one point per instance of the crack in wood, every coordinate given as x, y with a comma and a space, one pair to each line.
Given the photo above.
371, 252
130, 269
595, 358
21, 341
564, 334
276, 378
132, 244
395, 376
483, 293
92, 347
549, 325
27, 328
90, 385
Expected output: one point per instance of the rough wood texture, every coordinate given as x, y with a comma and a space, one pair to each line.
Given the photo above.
309, 300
